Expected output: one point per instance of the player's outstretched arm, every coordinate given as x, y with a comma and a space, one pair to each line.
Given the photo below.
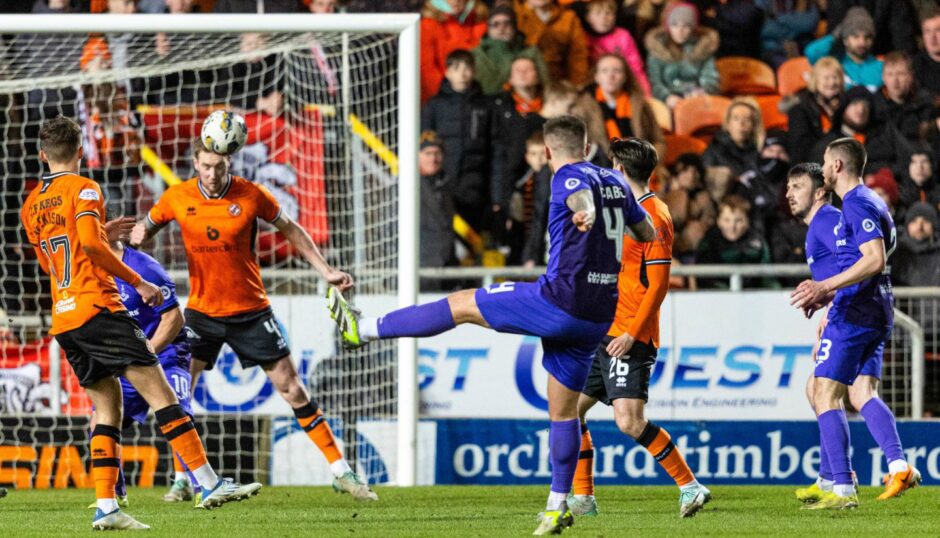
90, 233
582, 204
872, 263
302, 241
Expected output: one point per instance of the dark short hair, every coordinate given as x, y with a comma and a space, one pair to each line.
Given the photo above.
637, 156
852, 153
565, 133
811, 170
899, 57
460, 56
535, 139
60, 138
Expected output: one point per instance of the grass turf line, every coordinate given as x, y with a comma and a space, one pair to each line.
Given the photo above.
478, 511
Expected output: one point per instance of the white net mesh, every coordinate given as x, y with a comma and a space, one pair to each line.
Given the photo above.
321, 111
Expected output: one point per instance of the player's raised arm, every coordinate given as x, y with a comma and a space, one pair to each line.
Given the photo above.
302, 241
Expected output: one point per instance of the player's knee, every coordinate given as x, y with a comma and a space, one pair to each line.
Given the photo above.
630, 425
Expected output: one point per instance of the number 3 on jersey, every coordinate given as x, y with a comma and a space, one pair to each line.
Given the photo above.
613, 228
50, 248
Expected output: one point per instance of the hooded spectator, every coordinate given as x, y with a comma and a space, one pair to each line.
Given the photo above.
900, 102
917, 260
461, 117
895, 22
557, 32
499, 47
851, 44
447, 25
738, 143
918, 184
604, 37
681, 59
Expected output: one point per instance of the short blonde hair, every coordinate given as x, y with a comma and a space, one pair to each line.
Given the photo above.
757, 136
825, 63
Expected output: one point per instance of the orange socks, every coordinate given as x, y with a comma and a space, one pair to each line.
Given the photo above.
180, 431
314, 423
584, 473
660, 445
105, 459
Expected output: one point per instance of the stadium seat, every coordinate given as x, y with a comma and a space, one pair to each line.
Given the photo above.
678, 144
662, 113
792, 75
745, 76
770, 112
700, 116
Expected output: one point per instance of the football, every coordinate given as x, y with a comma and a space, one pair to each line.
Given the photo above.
224, 132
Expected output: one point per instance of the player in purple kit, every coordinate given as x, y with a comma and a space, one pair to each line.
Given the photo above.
859, 322
164, 328
809, 201
570, 307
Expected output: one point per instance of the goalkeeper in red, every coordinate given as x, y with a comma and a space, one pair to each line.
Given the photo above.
63, 218
218, 217
620, 374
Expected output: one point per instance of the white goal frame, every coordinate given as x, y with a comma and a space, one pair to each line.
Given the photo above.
406, 26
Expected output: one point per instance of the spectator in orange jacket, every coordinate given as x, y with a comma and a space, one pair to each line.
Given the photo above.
447, 25
557, 32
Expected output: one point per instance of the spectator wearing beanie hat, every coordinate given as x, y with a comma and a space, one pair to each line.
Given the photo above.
437, 204
851, 44
502, 44
681, 59
917, 260
895, 22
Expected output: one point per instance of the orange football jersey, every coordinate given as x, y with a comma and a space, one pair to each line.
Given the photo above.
80, 289
632, 282
219, 234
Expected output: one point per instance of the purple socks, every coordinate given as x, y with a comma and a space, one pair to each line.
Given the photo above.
834, 434
825, 471
564, 441
880, 422
421, 320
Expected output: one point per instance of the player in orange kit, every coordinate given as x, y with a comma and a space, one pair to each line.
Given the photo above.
63, 218
620, 375
217, 214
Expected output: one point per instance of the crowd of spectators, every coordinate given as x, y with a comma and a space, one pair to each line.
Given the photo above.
493, 71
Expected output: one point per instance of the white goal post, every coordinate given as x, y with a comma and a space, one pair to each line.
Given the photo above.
406, 133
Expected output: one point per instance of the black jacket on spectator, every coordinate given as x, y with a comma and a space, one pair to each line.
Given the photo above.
805, 126
885, 146
724, 152
895, 22
511, 132
763, 186
908, 117
739, 24
437, 215
788, 241
534, 248
916, 263
910, 193
927, 72
715, 249
463, 121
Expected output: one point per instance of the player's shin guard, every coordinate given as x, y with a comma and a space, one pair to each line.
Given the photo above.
564, 442
658, 442
318, 430
420, 320
884, 430
834, 428
105, 463
181, 433
584, 473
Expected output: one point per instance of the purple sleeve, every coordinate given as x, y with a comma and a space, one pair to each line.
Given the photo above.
564, 185
865, 220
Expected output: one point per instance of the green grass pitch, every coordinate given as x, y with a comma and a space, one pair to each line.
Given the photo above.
479, 511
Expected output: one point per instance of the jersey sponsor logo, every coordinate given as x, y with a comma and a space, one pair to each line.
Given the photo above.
65, 305
868, 225
212, 233
89, 194
601, 278
571, 183
234, 210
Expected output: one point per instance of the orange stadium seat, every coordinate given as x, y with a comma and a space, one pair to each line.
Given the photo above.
700, 116
745, 76
662, 113
770, 112
678, 144
792, 75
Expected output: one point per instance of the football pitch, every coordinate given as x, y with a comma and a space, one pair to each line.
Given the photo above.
479, 511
